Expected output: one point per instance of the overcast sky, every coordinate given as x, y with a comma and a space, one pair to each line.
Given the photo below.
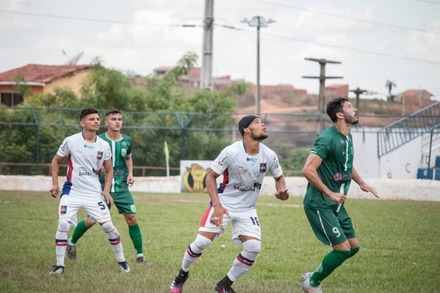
375, 41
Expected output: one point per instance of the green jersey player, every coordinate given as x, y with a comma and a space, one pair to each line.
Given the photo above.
329, 170
121, 148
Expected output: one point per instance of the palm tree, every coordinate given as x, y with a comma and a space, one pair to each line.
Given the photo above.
389, 84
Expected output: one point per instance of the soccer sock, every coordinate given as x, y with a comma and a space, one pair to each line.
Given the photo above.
136, 237
194, 251
61, 241
245, 259
79, 231
353, 251
329, 263
114, 239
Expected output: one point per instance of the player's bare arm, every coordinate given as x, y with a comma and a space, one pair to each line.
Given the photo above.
310, 172
130, 177
219, 210
281, 191
108, 181
54, 169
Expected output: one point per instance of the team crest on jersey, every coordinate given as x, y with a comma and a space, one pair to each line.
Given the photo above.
263, 167
63, 210
99, 155
123, 152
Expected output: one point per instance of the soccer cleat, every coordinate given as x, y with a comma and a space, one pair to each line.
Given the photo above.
71, 251
305, 276
123, 267
141, 259
224, 289
177, 285
57, 270
307, 288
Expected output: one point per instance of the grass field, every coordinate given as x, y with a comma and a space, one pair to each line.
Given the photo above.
399, 248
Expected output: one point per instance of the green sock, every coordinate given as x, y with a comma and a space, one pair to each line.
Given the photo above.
136, 237
353, 251
329, 263
79, 231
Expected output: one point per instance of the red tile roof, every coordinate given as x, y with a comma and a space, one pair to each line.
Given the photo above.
42, 73
415, 92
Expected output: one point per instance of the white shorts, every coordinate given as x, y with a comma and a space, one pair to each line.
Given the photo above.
243, 223
94, 205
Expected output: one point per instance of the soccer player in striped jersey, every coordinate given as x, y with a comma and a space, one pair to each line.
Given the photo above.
243, 164
121, 148
87, 155
329, 170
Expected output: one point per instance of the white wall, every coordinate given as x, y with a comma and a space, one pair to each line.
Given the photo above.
410, 189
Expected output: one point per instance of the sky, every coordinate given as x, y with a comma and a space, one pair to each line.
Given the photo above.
374, 41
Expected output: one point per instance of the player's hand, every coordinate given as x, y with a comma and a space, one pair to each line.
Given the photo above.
217, 215
337, 197
282, 195
108, 199
130, 180
367, 188
55, 190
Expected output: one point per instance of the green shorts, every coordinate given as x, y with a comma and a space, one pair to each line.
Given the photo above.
124, 202
330, 227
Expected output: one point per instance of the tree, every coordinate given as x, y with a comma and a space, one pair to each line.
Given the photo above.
390, 85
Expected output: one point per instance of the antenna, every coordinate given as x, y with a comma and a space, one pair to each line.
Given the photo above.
74, 60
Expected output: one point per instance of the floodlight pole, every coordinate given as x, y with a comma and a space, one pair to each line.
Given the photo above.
258, 22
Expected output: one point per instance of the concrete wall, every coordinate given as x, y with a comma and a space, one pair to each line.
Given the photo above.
408, 189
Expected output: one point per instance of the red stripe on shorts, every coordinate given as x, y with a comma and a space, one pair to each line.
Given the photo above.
205, 217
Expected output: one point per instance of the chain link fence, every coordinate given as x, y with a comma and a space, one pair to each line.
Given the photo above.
31, 136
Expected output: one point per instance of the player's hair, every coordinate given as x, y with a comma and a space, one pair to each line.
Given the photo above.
87, 111
113, 111
334, 106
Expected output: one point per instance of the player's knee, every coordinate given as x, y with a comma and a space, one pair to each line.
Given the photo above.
110, 230
63, 225
252, 246
202, 242
89, 221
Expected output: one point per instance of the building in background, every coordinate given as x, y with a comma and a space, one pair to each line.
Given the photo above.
40, 80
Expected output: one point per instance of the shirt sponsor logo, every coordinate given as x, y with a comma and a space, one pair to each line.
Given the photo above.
85, 172
263, 167
247, 188
342, 177
251, 160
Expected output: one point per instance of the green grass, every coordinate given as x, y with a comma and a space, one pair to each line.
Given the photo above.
399, 248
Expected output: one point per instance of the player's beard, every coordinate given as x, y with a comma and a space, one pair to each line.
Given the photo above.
260, 137
353, 120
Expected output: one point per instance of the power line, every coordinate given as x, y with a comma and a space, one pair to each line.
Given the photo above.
223, 26
352, 18
339, 47
96, 19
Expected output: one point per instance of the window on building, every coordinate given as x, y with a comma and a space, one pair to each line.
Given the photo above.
10, 99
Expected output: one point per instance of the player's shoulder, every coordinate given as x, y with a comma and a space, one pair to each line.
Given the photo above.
102, 141
126, 137
267, 150
234, 147
74, 137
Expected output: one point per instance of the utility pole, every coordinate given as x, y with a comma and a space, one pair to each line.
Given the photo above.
258, 22
322, 78
358, 92
208, 31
